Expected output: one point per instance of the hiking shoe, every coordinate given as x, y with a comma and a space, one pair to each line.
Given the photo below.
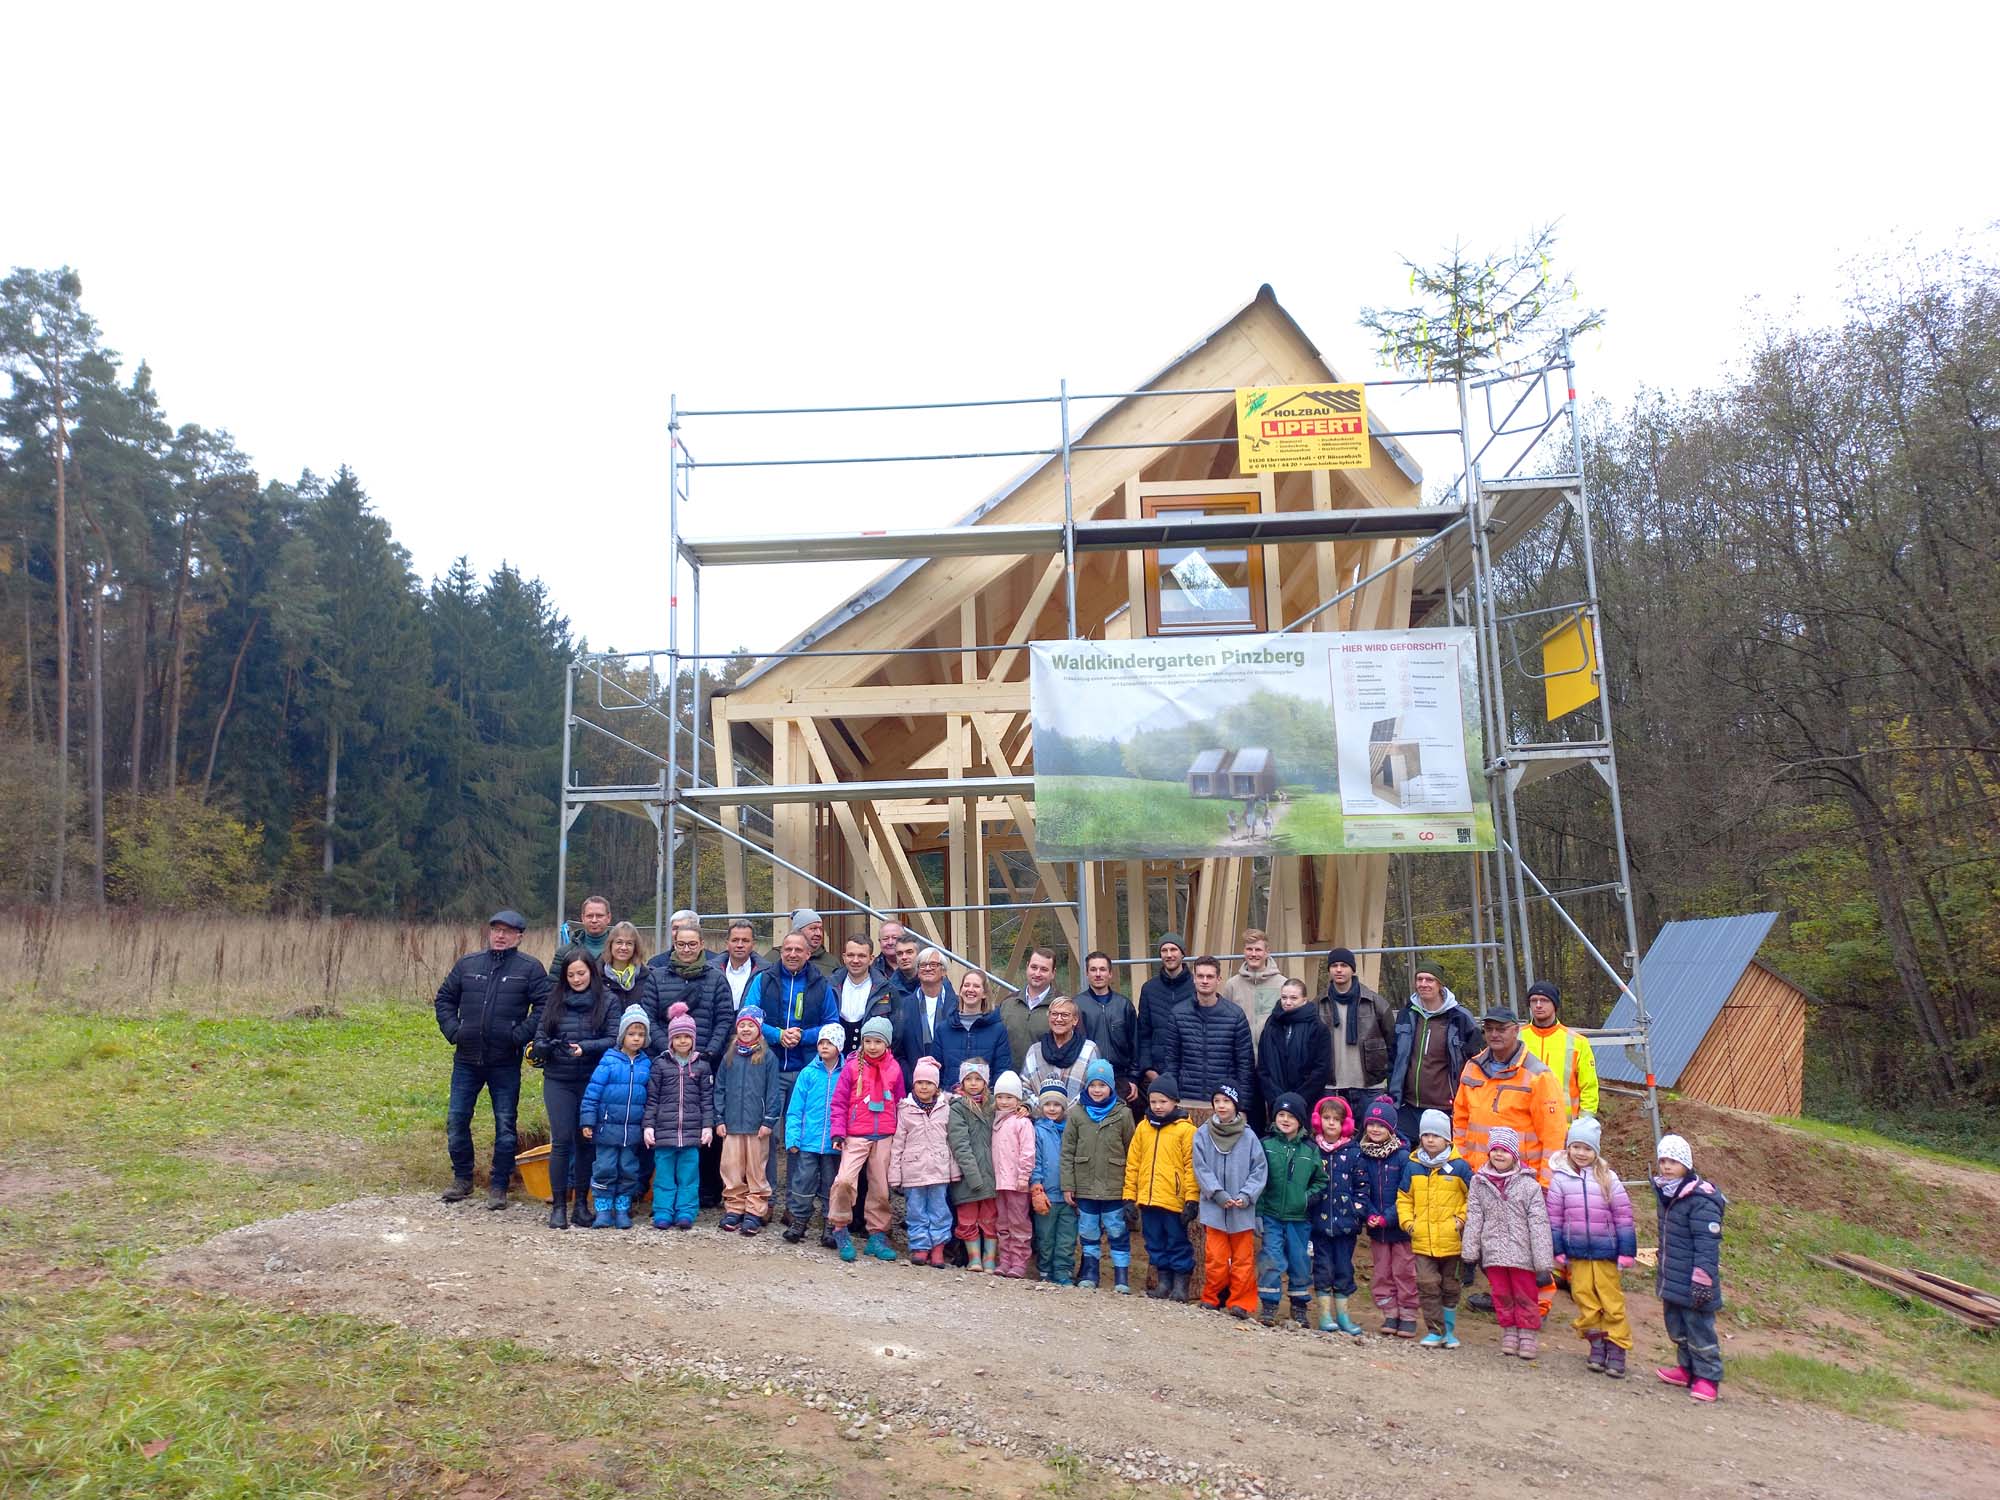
879, 1247
1703, 1390
1674, 1375
1479, 1301
750, 1225
1299, 1314
1239, 1314
496, 1196
730, 1223
1268, 1315
794, 1232
1596, 1361
458, 1192
844, 1243
1614, 1361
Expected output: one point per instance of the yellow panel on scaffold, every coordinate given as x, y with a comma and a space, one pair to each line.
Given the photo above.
1569, 665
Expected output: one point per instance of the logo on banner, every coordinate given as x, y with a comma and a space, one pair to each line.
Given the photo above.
1281, 428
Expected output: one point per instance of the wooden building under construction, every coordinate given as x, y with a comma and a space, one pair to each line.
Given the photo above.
1000, 578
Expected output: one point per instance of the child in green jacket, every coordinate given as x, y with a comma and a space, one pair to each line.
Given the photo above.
1296, 1176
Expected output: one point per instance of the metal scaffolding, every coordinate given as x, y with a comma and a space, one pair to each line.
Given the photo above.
1504, 422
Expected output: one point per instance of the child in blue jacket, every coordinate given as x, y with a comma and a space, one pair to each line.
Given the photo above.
1055, 1218
613, 1118
811, 1161
1690, 1280
1392, 1277
1337, 1214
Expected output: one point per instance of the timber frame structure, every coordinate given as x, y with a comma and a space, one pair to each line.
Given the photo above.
896, 729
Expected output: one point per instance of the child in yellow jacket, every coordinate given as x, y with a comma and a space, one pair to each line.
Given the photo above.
1159, 1177
1430, 1205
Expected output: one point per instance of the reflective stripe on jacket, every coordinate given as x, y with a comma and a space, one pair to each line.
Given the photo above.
1570, 1058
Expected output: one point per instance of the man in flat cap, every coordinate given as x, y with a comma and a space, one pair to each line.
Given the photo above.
487, 1008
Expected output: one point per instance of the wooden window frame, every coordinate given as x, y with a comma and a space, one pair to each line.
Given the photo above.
1249, 496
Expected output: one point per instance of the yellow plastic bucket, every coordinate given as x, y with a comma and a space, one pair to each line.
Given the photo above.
533, 1167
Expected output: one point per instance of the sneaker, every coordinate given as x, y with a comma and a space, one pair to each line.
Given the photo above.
879, 1247
1703, 1390
844, 1243
1674, 1375
730, 1223
750, 1225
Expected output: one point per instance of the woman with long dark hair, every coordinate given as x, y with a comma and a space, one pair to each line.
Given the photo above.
579, 1025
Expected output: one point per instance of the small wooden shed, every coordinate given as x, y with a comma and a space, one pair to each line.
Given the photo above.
1252, 772
1204, 774
1727, 1028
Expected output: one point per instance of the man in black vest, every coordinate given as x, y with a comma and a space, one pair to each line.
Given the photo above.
487, 1009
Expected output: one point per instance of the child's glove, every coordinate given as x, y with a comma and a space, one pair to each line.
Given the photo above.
1704, 1288
1376, 1221
1561, 1261
1545, 1278
1624, 1261
1189, 1213
1038, 1198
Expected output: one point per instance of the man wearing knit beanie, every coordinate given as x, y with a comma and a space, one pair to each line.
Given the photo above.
1159, 996
1562, 1051
1362, 1027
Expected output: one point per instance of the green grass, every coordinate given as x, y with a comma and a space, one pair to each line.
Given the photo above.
1075, 815
1961, 1139
1871, 1393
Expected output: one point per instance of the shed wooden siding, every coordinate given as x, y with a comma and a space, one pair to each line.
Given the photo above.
1754, 1055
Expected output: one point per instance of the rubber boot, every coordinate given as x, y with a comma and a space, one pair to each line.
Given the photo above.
989, 1253
1121, 1280
1323, 1306
1182, 1289
1091, 1271
1432, 1340
1451, 1328
974, 1262
1162, 1287
1342, 1321
605, 1208
580, 1213
558, 1216
621, 1212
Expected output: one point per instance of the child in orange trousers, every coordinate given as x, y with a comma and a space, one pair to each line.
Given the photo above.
1230, 1170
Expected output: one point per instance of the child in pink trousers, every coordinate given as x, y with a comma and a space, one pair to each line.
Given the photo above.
1507, 1232
1013, 1165
862, 1122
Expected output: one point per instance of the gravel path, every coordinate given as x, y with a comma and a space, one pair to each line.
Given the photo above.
1151, 1390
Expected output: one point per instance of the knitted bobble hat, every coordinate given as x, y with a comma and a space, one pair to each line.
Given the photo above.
1675, 1148
1434, 1122
679, 1022
1586, 1130
1099, 1071
1504, 1138
1008, 1082
926, 1071
833, 1032
878, 1026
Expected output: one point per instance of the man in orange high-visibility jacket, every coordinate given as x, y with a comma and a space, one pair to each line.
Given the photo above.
1562, 1051
1508, 1085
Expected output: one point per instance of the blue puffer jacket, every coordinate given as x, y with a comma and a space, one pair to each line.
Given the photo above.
982, 1034
1383, 1179
747, 1094
1342, 1209
1048, 1156
808, 1118
1691, 1244
614, 1101
804, 1000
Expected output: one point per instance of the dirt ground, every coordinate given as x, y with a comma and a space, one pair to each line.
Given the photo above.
1151, 1389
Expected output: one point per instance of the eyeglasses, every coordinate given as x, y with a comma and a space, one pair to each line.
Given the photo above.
930, 963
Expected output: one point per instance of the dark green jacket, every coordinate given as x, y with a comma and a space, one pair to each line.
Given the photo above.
969, 1128
1297, 1176
1093, 1152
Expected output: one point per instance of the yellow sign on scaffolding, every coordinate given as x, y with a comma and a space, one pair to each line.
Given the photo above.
1569, 665
1282, 428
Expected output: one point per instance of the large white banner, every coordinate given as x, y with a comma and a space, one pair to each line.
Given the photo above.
1237, 745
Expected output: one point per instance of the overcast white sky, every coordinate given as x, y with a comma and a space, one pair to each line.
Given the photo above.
470, 250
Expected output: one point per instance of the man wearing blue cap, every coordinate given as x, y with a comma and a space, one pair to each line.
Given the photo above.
487, 1009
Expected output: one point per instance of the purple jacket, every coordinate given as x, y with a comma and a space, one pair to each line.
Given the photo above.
1582, 1225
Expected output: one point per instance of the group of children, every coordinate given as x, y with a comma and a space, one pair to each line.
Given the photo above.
1280, 1216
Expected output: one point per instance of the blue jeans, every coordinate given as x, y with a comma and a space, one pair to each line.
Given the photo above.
1333, 1263
676, 1184
1103, 1217
1167, 1245
502, 1082
1285, 1256
616, 1174
927, 1216
1693, 1333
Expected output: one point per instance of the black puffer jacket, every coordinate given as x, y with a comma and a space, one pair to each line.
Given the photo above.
1207, 1046
489, 1003
1159, 998
1690, 1272
1293, 1056
680, 1101
706, 995
1112, 1023
591, 1021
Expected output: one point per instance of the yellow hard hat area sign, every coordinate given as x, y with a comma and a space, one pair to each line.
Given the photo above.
1569, 665
1282, 428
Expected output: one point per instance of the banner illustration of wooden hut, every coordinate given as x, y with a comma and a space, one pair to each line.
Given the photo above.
1392, 763
1237, 774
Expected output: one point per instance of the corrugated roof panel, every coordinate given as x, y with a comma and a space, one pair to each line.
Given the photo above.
1685, 976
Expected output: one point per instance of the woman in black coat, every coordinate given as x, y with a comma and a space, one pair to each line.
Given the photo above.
1295, 1053
579, 1025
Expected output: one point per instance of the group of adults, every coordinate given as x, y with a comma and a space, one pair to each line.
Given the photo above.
1257, 1029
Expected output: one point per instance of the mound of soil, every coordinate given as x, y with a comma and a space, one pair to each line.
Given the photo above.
1153, 1390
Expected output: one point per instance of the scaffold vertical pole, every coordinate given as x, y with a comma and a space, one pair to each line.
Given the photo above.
562, 802
1082, 871
666, 836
